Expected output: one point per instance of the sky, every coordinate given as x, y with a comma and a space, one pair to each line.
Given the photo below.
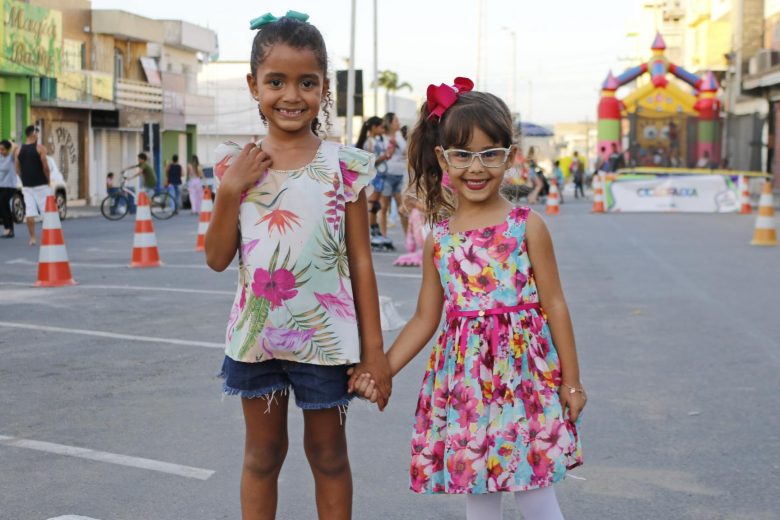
564, 47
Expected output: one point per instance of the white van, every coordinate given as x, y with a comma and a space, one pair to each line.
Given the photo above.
58, 187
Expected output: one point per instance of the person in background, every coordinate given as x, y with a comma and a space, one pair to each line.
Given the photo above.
110, 188
577, 170
674, 139
195, 184
559, 180
537, 183
616, 160
143, 168
372, 127
8, 182
601, 161
704, 160
33, 168
416, 232
371, 140
395, 155
173, 179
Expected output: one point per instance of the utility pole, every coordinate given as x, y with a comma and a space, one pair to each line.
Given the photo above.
376, 61
480, 82
351, 78
513, 93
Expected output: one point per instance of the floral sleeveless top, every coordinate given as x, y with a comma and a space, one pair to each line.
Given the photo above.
294, 297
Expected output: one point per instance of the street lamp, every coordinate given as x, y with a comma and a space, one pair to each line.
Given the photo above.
351, 77
513, 94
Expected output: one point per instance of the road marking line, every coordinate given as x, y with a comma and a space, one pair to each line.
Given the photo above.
112, 335
24, 261
111, 458
73, 517
398, 275
129, 288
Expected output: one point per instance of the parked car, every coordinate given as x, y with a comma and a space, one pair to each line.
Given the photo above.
58, 187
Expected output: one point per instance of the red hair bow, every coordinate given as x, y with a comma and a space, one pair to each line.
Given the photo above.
442, 97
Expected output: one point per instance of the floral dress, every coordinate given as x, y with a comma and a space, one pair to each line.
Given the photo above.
294, 297
489, 417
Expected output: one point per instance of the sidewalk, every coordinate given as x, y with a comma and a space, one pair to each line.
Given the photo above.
82, 212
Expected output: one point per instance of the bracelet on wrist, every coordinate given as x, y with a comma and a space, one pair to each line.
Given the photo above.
573, 389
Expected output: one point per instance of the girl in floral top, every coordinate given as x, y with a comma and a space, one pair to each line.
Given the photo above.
501, 396
306, 308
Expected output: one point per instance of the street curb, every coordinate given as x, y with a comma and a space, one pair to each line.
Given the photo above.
82, 212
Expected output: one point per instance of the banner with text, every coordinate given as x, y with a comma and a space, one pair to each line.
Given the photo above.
31, 39
684, 193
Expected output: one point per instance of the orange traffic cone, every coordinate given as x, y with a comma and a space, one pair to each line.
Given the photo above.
53, 266
765, 233
553, 201
144, 242
598, 195
744, 196
203, 222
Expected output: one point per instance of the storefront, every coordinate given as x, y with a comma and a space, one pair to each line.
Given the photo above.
31, 46
14, 106
65, 134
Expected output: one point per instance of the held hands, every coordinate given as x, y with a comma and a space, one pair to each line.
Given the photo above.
365, 387
573, 398
248, 168
371, 378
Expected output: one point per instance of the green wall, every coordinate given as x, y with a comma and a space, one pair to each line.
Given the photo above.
10, 87
170, 145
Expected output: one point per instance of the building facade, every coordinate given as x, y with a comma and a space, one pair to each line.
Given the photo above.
739, 42
155, 65
761, 80
102, 86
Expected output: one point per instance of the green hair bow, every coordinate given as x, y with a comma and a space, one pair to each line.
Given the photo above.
269, 18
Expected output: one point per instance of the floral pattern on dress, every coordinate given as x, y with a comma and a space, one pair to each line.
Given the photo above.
294, 297
489, 418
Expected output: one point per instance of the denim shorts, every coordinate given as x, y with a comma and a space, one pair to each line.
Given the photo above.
378, 183
316, 387
393, 184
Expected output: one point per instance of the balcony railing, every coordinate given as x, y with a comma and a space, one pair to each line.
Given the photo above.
76, 87
139, 94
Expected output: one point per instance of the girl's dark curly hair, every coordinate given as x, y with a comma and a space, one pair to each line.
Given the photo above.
298, 35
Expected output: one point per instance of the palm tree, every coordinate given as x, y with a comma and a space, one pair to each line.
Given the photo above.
389, 81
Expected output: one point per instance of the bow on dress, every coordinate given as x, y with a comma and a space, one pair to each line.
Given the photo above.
442, 97
269, 18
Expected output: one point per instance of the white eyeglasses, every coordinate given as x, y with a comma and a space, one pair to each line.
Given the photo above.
462, 159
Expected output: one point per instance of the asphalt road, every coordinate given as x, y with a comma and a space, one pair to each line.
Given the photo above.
677, 321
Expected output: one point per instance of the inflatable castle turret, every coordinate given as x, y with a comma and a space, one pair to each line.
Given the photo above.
662, 110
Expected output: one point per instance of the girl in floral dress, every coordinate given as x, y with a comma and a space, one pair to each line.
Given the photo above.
501, 396
306, 308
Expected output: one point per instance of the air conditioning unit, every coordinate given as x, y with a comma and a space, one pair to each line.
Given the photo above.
762, 60
672, 11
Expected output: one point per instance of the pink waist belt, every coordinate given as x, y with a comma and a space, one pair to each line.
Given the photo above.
494, 313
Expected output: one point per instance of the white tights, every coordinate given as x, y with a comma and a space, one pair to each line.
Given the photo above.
536, 504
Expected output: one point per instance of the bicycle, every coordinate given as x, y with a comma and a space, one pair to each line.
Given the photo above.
116, 205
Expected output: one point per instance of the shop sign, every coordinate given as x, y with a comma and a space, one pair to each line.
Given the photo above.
31, 39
